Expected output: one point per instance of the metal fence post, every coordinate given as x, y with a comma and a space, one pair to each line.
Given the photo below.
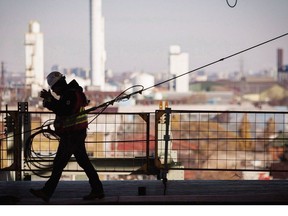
19, 138
18, 147
166, 139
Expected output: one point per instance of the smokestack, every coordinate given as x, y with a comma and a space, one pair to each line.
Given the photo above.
97, 45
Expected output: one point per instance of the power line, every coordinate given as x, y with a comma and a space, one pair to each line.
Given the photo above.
222, 59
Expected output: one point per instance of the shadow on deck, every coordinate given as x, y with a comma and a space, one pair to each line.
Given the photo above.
194, 192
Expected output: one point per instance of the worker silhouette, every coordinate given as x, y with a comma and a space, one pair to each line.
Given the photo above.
70, 125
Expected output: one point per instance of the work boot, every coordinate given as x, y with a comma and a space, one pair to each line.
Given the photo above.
94, 195
40, 194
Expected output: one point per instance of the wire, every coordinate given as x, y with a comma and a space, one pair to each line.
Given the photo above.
34, 159
231, 6
26, 131
222, 59
127, 96
121, 97
98, 113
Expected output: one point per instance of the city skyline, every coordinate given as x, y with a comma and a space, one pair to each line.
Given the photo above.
138, 33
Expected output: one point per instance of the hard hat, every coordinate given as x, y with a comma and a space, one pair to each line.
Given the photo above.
53, 78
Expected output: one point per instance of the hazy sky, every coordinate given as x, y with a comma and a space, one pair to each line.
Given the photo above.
138, 33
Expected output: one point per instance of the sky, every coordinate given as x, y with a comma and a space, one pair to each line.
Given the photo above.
138, 33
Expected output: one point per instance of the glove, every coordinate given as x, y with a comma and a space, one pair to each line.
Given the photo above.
46, 95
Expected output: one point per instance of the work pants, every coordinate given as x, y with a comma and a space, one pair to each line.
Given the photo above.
72, 143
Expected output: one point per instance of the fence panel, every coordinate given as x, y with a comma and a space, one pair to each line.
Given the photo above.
228, 141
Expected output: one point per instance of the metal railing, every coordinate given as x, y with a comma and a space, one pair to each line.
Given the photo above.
163, 144
228, 141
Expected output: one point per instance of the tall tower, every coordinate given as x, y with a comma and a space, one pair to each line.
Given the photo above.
97, 45
34, 58
178, 64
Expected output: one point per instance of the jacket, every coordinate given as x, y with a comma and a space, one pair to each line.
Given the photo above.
68, 109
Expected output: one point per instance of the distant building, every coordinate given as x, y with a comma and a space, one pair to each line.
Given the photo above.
34, 59
77, 71
178, 64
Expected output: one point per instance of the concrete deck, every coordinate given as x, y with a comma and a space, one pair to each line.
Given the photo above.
177, 192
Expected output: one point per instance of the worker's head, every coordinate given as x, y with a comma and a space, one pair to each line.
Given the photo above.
56, 81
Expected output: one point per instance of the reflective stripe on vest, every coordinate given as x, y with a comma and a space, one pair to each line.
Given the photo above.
75, 120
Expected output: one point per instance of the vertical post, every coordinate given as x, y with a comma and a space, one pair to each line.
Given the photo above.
148, 140
22, 119
167, 140
146, 118
18, 146
158, 126
27, 133
10, 156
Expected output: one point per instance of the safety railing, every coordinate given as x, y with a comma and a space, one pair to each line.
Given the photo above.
115, 143
166, 144
230, 143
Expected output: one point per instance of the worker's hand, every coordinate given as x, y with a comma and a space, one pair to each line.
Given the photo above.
45, 94
47, 98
